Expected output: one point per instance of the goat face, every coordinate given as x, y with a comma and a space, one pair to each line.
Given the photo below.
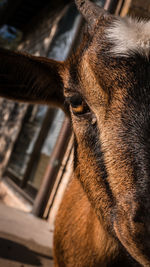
107, 91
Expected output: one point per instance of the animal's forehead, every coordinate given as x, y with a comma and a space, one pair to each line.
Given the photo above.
117, 54
80, 79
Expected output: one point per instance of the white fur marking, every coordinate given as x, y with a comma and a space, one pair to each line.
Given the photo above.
129, 36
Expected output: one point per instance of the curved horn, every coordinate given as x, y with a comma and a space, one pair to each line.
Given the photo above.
90, 11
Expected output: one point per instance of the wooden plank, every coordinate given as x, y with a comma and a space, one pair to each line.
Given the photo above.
26, 230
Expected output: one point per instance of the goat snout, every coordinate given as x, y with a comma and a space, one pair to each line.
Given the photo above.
132, 228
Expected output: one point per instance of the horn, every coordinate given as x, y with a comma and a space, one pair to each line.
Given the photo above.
90, 11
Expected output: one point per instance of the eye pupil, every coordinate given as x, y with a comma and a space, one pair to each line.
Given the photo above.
78, 105
76, 101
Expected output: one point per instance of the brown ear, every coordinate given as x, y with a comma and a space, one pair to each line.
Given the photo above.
30, 79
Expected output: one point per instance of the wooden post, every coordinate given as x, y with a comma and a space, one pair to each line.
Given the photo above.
52, 169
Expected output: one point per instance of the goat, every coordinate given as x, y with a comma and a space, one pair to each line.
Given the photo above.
104, 217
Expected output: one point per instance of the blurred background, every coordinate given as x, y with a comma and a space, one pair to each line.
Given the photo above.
36, 142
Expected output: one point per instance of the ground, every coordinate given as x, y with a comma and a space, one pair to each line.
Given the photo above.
25, 241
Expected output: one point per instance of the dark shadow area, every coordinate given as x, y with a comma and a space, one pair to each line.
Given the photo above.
17, 252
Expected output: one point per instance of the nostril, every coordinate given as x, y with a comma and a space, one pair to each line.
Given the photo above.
142, 215
139, 218
148, 227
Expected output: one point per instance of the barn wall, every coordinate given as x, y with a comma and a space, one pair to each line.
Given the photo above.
12, 114
140, 8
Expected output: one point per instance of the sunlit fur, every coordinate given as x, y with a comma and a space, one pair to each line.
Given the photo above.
129, 36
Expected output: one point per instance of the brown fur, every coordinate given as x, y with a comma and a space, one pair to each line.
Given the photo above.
100, 247
105, 213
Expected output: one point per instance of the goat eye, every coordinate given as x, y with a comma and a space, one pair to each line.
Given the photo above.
78, 105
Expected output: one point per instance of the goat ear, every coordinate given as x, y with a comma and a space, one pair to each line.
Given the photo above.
30, 79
